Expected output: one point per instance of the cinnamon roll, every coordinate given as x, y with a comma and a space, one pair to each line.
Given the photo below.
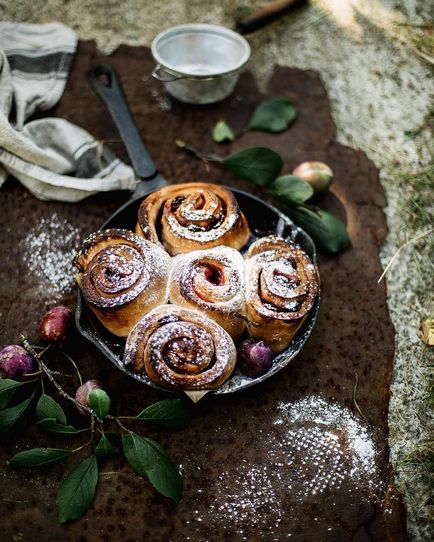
122, 277
281, 286
211, 281
192, 216
180, 348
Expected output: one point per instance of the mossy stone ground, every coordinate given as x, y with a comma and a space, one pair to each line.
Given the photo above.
375, 59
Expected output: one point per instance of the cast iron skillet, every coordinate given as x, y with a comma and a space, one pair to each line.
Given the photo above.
263, 219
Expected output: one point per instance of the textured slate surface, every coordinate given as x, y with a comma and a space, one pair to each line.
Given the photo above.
289, 460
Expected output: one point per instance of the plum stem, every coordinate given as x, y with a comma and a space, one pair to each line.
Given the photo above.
73, 364
205, 157
49, 373
118, 421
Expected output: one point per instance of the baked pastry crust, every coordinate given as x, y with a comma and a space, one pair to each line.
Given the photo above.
281, 287
122, 277
192, 216
211, 281
180, 348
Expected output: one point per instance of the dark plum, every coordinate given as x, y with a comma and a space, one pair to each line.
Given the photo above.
55, 324
15, 361
255, 358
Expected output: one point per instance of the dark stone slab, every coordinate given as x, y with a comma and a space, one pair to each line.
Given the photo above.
291, 459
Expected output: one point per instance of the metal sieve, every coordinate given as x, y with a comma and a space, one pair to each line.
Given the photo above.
199, 63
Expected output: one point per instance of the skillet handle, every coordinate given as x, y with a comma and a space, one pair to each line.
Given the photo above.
106, 84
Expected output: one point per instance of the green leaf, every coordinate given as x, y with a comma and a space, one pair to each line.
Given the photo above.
272, 115
99, 402
291, 189
38, 457
104, 448
77, 491
222, 132
53, 426
168, 413
146, 457
11, 415
259, 165
328, 232
8, 387
47, 407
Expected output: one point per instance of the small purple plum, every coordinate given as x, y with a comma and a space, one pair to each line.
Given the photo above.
15, 362
82, 394
255, 358
55, 324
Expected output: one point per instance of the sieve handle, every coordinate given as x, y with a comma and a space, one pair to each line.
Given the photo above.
157, 75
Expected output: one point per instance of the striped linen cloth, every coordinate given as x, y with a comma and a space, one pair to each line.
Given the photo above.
53, 158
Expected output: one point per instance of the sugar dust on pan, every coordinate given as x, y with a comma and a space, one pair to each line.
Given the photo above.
48, 251
313, 450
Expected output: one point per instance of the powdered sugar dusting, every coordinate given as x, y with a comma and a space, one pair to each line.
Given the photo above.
211, 350
312, 446
190, 213
48, 254
123, 265
202, 236
192, 216
192, 279
171, 362
326, 433
281, 281
280, 276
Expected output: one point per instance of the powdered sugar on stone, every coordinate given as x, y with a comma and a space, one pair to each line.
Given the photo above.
48, 254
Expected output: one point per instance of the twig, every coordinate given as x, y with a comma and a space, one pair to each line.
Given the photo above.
117, 420
205, 157
33, 374
58, 373
355, 401
73, 364
426, 57
392, 260
310, 22
411, 25
51, 378
92, 435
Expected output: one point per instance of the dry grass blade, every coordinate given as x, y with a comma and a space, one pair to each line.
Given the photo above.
409, 242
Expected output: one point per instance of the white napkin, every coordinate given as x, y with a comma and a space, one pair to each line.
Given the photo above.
53, 158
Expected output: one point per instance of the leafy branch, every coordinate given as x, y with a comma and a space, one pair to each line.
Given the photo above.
261, 166
77, 491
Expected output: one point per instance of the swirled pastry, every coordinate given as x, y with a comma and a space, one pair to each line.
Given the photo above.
281, 286
180, 348
192, 216
211, 281
122, 277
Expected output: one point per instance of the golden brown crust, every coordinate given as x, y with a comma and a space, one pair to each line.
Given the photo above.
192, 216
122, 277
211, 281
281, 287
180, 348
